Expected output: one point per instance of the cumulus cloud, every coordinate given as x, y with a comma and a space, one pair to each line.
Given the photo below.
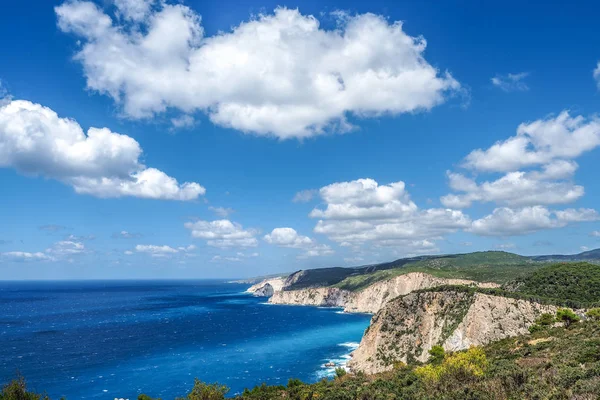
288, 237
511, 82
539, 143
597, 74
515, 189
222, 211
161, 251
304, 196
34, 140
66, 247
126, 235
538, 169
255, 77
511, 222
595, 233
26, 256
223, 233
362, 211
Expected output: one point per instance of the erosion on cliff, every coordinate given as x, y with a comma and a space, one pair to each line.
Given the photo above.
372, 298
409, 326
267, 287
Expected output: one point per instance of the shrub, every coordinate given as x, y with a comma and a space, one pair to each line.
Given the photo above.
340, 372
205, 391
567, 316
458, 367
594, 314
545, 319
17, 390
436, 354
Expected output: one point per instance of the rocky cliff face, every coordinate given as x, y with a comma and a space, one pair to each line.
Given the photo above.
267, 287
409, 326
370, 299
323, 297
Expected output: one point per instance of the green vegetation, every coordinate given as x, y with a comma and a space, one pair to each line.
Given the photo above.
488, 266
553, 363
574, 282
593, 314
17, 390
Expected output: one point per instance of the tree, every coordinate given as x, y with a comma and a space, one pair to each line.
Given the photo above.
146, 397
340, 372
567, 316
436, 354
17, 390
545, 319
205, 391
594, 314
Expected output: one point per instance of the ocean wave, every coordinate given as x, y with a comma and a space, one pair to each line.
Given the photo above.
350, 345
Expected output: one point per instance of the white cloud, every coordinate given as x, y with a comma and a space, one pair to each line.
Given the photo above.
25, 256
255, 77
584, 248
510, 222
539, 143
363, 211
225, 258
304, 196
183, 122
511, 82
52, 228
222, 211
288, 237
597, 74
126, 235
595, 233
505, 246
66, 247
134, 10
514, 189
34, 140
162, 251
223, 233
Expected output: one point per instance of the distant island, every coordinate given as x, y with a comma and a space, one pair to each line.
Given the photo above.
485, 325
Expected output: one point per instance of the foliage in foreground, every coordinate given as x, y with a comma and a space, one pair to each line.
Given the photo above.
552, 363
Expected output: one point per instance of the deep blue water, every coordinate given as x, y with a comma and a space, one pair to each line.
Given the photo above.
101, 340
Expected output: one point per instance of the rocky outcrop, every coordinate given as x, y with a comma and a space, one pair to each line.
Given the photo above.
323, 297
372, 298
267, 287
409, 326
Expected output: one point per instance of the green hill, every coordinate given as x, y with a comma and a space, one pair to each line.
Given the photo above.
488, 266
578, 283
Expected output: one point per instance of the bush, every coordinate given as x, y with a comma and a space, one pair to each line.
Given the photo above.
459, 367
340, 372
204, 391
567, 316
437, 354
17, 390
594, 314
545, 319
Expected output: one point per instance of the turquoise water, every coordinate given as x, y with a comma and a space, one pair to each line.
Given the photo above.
101, 340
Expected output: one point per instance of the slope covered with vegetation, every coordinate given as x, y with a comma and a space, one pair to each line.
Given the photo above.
578, 283
488, 266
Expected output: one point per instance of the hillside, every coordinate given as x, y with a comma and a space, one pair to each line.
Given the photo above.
576, 284
486, 266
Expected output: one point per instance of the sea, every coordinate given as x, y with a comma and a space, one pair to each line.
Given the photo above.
117, 339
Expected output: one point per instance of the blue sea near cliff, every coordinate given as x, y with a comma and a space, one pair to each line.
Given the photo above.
101, 340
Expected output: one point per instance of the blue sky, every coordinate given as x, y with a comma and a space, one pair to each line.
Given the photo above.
461, 128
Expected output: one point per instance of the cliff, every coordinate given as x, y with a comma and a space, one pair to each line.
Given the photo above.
267, 287
372, 298
409, 326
